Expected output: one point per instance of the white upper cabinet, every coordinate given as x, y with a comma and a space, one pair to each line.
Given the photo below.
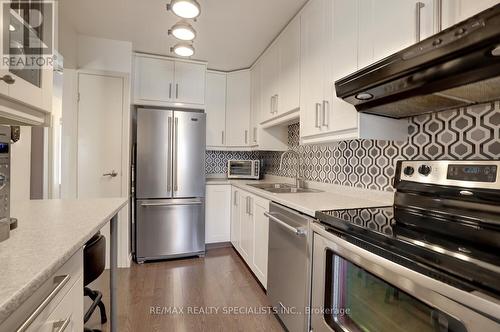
455, 11
289, 68
162, 81
216, 109
255, 103
388, 26
190, 82
329, 51
238, 108
270, 77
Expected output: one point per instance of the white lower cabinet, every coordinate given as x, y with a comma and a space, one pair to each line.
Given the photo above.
250, 231
217, 213
57, 305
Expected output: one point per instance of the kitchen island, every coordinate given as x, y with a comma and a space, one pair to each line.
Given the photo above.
50, 234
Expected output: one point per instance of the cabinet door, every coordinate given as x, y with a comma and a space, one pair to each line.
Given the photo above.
190, 82
238, 108
289, 64
312, 65
342, 33
455, 11
270, 77
216, 109
218, 214
261, 239
246, 227
388, 26
256, 102
154, 79
235, 217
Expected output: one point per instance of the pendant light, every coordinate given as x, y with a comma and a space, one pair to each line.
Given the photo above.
183, 49
183, 31
185, 8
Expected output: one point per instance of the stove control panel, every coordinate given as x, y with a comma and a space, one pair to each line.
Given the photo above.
467, 174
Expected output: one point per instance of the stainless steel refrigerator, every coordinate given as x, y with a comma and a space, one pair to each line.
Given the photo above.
169, 184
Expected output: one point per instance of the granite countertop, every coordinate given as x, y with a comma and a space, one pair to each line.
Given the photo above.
49, 232
332, 197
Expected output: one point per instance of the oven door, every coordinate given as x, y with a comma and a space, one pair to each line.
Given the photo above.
357, 291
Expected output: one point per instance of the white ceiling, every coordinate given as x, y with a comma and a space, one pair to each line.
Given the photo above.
231, 33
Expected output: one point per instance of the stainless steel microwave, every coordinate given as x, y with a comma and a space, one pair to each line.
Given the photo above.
243, 169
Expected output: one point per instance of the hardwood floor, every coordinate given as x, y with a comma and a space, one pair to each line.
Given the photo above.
220, 283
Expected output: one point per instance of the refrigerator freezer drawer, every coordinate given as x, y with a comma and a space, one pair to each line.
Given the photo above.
170, 228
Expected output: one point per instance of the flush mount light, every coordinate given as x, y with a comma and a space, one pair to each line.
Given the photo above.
364, 96
185, 8
183, 49
183, 31
12, 28
496, 51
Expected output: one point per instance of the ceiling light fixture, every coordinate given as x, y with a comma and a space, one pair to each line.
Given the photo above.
183, 49
185, 8
183, 31
12, 28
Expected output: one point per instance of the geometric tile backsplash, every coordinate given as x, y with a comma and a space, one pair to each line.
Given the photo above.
467, 133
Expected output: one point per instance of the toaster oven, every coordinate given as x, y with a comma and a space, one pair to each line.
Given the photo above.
243, 169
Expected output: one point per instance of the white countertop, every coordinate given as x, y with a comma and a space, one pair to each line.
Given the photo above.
332, 197
49, 232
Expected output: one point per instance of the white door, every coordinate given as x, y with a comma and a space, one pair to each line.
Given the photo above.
246, 227
289, 68
260, 239
100, 116
190, 82
154, 79
270, 77
238, 108
216, 109
256, 101
312, 65
455, 11
218, 213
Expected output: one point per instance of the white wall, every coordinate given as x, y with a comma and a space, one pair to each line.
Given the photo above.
104, 54
20, 167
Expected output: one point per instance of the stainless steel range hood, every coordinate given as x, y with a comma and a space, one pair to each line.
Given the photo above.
457, 67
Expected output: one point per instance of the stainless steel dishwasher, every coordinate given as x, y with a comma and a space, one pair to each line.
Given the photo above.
288, 285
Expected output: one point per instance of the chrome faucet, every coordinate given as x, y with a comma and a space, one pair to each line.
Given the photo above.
298, 181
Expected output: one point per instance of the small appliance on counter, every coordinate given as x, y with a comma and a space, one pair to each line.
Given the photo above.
5, 221
243, 169
430, 262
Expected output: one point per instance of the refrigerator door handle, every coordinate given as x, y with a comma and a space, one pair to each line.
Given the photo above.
169, 156
170, 204
176, 126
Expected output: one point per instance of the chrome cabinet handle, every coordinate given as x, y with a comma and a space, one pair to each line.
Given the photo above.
326, 111
296, 231
438, 15
277, 103
112, 174
250, 209
248, 204
223, 137
235, 198
170, 91
177, 91
176, 125
169, 155
246, 136
418, 13
61, 325
272, 105
60, 281
8, 79
318, 110
255, 134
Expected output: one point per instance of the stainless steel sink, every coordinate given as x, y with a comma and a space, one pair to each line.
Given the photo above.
282, 188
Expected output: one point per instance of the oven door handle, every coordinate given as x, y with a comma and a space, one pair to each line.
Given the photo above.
297, 231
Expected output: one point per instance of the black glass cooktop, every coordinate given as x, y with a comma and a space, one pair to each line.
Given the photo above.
393, 233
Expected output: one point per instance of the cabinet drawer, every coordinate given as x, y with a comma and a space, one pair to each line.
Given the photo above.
46, 298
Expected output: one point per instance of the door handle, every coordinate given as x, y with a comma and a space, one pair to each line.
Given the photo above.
170, 91
276, 103
255, 134
169, 155
176, 125
170, 204
112, 174
235, 198
177, 91
297, 231
418, 13
246, 136
326, 111
272, 105
250, 212
318, 110
223, 137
